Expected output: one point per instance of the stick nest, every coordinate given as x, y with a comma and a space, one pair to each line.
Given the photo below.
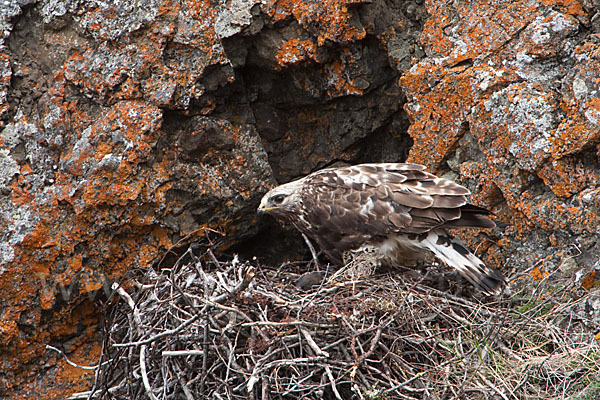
210, 329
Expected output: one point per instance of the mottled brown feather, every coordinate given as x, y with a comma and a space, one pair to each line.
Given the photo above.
415, 200
381, 199
444, 201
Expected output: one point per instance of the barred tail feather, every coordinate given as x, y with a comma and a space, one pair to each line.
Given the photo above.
488, 280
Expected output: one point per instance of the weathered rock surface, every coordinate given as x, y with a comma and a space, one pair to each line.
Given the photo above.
129, 127
507, 99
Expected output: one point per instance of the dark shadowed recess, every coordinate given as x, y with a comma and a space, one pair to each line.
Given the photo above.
305, 125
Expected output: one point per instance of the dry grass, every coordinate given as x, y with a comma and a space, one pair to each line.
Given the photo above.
207, 329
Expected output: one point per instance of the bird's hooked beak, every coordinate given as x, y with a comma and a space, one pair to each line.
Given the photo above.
263, 208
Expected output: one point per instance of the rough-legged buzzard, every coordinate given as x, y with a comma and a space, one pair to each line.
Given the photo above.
397, 207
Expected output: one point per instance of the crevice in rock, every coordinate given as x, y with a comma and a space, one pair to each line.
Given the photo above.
306, 122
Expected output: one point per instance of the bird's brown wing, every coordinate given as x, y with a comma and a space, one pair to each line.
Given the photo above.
349, 206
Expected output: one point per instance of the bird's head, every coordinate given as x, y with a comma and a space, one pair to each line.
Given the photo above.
281, 201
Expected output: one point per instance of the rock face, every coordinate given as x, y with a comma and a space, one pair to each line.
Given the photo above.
129, 128
508, 100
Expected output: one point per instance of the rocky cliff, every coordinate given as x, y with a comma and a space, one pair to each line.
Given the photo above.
129, 128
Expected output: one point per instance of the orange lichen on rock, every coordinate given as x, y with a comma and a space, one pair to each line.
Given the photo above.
327, 20
567, 176
484, 27
490, 83
571, 7
8, 329
439, 118
590, 280
294, 51
538, 274
85, 350
339, 84
5, 77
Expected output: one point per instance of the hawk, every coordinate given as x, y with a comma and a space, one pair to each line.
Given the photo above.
397, 208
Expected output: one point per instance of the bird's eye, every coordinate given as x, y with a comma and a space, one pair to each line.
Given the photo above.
278, 199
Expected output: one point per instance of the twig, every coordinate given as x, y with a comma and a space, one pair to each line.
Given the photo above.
145, 373
405, 383
91, 394
374, 343
71, 363
311, 342
313, 253
177, 353
332, 382
491, 386
205, 343
265, 389
186, 391
184, 240
136, 314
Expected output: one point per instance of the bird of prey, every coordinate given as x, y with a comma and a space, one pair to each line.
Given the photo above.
398, 208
